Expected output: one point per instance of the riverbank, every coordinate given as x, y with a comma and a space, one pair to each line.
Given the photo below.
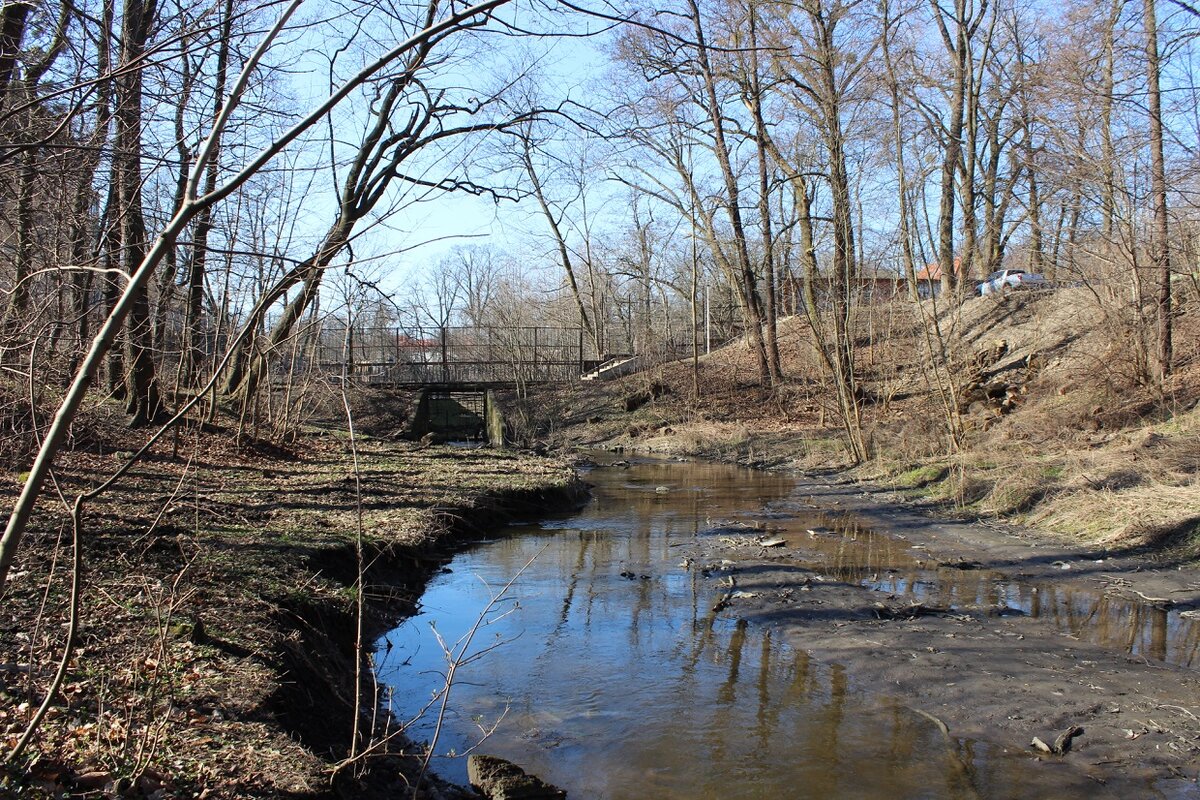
1075, 442
219, 609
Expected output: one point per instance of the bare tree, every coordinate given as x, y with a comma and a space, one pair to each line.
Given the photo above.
408, 117
144, 401
685, 110
820, 80
554, 217
193, 352
958, 26
438, 25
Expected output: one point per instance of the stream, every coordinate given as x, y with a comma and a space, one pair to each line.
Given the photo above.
604, 669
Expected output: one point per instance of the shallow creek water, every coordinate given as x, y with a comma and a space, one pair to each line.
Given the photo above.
604, 669
884, 563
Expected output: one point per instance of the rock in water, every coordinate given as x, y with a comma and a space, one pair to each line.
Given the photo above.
498, 779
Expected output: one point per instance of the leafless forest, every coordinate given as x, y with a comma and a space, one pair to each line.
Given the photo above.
205, 205
186, 187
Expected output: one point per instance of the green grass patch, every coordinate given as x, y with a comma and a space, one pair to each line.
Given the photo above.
921, 477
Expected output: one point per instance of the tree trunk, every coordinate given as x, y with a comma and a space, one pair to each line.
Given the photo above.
950, 158
746, 283
1159, 242
247, 367
560, 242
957, 46
1108, 152
754, 102
194, 351
1037, 255
12, 32
893, 83
18, 303
845, 268
143, 402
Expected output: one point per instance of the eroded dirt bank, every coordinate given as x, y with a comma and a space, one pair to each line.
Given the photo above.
218, 617
997, 633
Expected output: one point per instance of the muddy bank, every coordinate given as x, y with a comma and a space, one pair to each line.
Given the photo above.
216, 655
993, 632
315, 704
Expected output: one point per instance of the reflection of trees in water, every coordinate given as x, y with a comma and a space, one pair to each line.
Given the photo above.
856, 554
681, 701
727, 694
1133, 627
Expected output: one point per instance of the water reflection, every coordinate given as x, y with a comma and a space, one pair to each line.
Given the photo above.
616, 679
852, 552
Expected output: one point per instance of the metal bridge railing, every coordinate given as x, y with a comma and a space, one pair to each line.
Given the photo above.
448, 355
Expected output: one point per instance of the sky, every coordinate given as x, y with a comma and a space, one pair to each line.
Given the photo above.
422, 233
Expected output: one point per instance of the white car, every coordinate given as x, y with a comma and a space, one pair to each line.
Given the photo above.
1005, 280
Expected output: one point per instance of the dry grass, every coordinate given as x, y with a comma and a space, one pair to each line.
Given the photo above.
1093, 450
1144, 515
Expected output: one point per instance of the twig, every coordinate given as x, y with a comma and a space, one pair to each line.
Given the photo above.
941, 726
358, 552
961, 765
455, 661
1182, 710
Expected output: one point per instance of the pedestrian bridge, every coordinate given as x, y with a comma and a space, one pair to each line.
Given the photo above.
462, 357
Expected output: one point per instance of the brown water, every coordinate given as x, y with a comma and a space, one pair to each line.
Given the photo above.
604, 670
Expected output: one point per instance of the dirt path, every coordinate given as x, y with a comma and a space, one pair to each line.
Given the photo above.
997, 633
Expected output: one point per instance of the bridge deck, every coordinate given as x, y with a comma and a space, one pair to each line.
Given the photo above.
480, 374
